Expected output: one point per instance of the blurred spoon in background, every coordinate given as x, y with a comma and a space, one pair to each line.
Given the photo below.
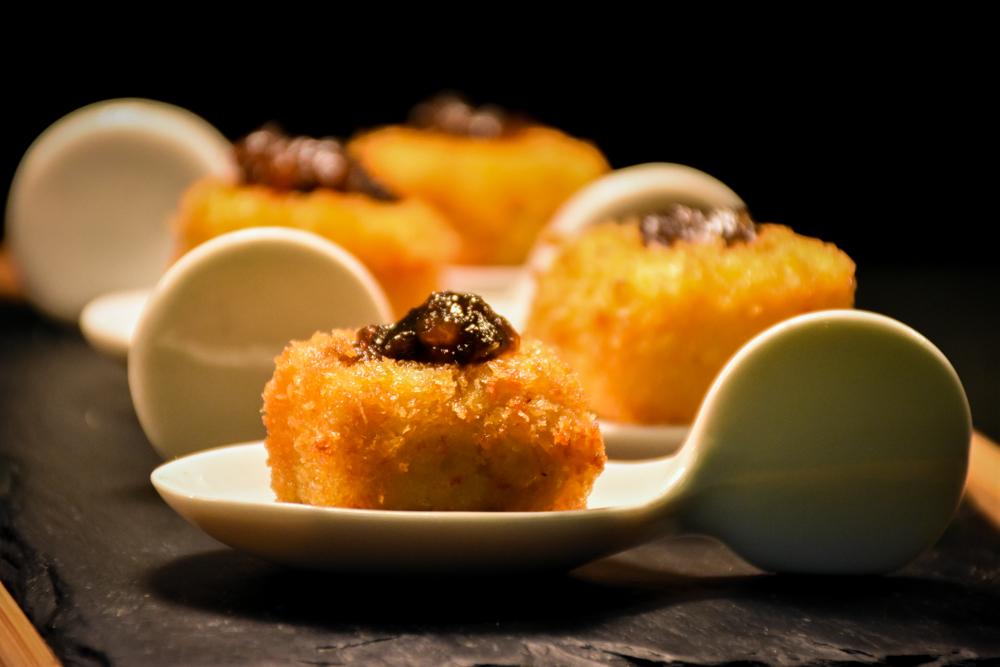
90, 203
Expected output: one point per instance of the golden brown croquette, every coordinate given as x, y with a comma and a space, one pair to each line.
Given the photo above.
348, 430
403, 243
648, 325
498, 192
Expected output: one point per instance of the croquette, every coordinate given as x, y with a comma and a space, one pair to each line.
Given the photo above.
498, 188
404, 243
648, 311
349, 426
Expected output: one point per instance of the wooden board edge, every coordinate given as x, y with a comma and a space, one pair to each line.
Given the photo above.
10, 287
20, 643
983, 484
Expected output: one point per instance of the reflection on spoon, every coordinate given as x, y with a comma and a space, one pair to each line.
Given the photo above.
834, 442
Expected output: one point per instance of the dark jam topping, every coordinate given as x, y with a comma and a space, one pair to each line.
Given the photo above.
451, 114
683, 223
270, 157
447, 328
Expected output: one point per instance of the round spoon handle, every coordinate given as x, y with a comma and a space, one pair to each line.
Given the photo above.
204, 346
834, 442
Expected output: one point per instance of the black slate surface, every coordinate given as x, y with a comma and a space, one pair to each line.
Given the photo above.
111, 576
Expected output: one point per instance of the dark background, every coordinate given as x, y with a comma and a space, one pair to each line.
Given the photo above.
880, 143
877, 135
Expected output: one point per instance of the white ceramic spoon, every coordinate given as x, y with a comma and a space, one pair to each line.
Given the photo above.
91, 201
834, 442
205, 344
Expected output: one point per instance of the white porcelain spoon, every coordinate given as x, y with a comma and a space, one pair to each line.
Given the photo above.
90, 204
206, 341
835, 442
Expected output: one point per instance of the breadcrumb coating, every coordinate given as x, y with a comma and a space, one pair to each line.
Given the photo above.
648, 328
497, 192
513, 433
404, 243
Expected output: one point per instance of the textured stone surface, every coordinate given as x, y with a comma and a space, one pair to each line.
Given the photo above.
110, 575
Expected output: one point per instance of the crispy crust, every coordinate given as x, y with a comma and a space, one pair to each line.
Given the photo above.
513, 433
648, 328
498, 193
403, 243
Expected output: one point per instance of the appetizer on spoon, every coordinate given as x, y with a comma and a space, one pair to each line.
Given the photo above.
834, 442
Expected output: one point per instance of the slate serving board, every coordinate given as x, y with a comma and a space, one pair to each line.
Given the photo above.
110, 575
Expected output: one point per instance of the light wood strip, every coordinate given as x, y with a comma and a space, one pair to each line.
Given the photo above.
9, 287
983, 484
20, 643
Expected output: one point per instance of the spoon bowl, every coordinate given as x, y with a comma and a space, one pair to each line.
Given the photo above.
109, 321
835, 442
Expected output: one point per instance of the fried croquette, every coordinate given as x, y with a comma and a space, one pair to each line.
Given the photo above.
648, 311
348, 426
497, 191
403, 243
